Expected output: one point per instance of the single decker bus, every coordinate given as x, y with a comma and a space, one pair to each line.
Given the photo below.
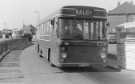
74, 36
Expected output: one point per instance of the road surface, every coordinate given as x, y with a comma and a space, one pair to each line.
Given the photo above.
25, 67
10, 71
38, 71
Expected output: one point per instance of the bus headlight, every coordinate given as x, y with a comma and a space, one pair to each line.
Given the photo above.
64, 55
103, 55
66, 43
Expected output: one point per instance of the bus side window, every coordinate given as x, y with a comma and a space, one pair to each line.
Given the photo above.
42, 29
56, 26
91, 26
94, 31
50, 27
104, 30
45, 28
101, 30
52, 22
59, 28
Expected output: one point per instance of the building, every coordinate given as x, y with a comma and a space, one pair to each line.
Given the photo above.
16, 33
29, 29
122, 13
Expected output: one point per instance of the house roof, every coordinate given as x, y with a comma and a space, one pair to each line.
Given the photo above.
125, 8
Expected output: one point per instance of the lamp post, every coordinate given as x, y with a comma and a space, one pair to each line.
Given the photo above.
38, 21
38, 16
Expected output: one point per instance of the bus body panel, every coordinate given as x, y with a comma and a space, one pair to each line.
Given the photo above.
83, 54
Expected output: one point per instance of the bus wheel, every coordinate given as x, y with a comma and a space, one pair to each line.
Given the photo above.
40, 53
53, 65
118, 69
37, 48
48, 57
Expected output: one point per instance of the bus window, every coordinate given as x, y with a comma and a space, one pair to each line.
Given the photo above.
45, 28
91, 28
81, 29
104, 30
95, 31
70, 29
86, 30
51, 27
101, 29
77, 29
66, 28
79, 26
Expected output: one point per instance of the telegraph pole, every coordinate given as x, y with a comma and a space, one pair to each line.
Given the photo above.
38, 16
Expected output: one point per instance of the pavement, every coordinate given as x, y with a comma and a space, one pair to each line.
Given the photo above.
10, 72
26, 67
130, 55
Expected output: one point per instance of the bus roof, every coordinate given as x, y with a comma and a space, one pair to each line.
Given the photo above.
78, 12
92, 7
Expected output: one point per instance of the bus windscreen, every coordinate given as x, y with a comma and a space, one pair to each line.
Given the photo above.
80, 29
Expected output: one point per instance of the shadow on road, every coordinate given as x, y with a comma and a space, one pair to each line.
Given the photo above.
87, 69
78, 69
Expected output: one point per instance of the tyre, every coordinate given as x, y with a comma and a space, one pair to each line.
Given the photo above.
41, 53
48, 55
118, 69
53, 65
49, 58
37, 49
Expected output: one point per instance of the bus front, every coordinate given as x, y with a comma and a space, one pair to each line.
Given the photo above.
83, 39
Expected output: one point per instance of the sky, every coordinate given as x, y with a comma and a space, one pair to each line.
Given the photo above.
15, 13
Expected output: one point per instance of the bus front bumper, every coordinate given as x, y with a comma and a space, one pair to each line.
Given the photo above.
80, 64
